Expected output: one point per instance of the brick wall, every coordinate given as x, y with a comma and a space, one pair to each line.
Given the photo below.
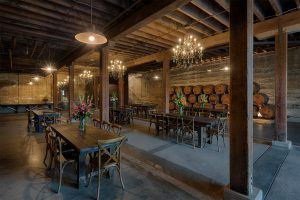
145, 89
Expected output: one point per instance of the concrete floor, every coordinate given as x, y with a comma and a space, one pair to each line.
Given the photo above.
23, 175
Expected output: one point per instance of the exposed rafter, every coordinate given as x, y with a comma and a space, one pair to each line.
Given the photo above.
276, 6
258, 12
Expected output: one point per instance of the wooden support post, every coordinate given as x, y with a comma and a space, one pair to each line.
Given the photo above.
71, 89
281, 85
166, 84
121, 91
55, 90
104, 85
95, 90
241, 101
126, 89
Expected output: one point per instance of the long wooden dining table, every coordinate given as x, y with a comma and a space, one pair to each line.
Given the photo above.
200, 122
38, 118
83, 143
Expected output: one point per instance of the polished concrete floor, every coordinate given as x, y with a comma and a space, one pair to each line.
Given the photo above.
23, 176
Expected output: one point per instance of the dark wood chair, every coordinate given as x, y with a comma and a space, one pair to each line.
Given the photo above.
217, 131
173, 124
161, 124
30, 121
105, 125
188, 128
116, 129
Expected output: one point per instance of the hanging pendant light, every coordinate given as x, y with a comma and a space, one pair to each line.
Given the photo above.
91, 36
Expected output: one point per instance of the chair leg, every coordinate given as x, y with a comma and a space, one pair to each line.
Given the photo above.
120, 175
193, 135
98, 187
46, 155
224, 140
218, 143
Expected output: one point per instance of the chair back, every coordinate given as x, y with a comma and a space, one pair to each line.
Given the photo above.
222, 124
110, 150
55, 146
188, 123
50, 117
96, 122
173, 121
105, 125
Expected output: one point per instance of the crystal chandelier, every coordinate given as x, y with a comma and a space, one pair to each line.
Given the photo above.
188, 52
116, 69
86, 74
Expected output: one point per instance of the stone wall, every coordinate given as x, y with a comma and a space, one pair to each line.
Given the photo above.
143, 89
14, 89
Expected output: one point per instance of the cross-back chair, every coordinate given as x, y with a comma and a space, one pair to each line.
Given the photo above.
105, 125
109, 156
188, 128
217, 131
116, 129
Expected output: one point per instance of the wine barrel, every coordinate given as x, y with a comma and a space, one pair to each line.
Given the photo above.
173, 97
192, 98
220, 106
177, 89
225, 99
197, 89
214, 99
256, 87
171, 105
221, 89
268, 111
260, 99
208, 106
208, 89
196, 105
172, 90
187, 90
189, 105
255, 111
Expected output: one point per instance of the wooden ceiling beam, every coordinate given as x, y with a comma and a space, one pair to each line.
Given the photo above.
172, 25
159, 34
165, 29
42, 50
210, 10
148, 41
151, 11
153, 37
47, 13
133, 44
69, 12
134, 48
142, 44
258, 12
186, 24
267, 26
34, 48
224, 4
200, 19
276, 6
33, 32
120, 48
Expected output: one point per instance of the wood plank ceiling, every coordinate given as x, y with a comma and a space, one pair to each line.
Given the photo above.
32, 31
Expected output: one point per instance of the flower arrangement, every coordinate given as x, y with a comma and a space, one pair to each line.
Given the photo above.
82, 111
180, 101
203, 100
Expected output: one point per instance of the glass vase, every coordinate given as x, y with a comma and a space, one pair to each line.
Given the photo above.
114, 103
82, 125
180, 110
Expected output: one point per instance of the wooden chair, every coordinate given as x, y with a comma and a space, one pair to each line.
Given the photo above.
218, 131
161, 123
152, 120
61, 158
48, 132
30, 121
174, 125
110, 157
96, 122
116, 129
188, 128
105, 125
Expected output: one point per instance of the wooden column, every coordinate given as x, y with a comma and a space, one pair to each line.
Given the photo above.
71, 89
104, 85
281, 40
241, 97
166, 84
95, 90
55, 90
121, 91
126, 89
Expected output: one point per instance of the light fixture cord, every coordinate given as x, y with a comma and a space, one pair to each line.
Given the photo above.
92, 12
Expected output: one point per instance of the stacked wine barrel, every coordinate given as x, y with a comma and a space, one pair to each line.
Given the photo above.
218, 98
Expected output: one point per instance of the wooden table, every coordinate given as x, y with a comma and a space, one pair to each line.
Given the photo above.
121, 115
144, 108
83, 143
200, 122
38, 118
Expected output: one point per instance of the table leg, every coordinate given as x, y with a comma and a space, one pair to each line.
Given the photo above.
81, 174
199, 131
